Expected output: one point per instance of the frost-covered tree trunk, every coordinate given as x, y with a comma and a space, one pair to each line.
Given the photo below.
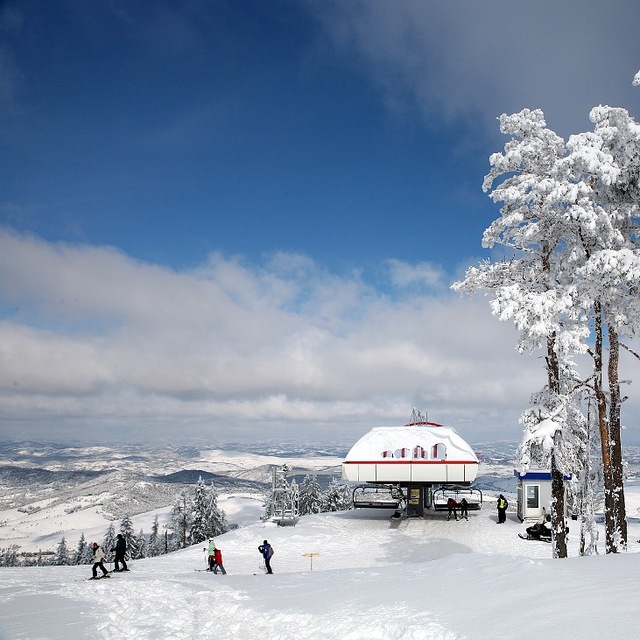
558, 523
589, 478
615, 443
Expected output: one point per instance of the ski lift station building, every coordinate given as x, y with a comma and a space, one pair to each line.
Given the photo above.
415, 459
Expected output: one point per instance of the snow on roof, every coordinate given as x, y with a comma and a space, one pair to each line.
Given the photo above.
372, 445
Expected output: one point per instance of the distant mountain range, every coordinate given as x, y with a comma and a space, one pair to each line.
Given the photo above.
42, 484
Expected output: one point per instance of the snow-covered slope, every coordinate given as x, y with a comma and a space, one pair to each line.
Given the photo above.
373, 578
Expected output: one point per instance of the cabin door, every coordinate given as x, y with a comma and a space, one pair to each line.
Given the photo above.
415, 502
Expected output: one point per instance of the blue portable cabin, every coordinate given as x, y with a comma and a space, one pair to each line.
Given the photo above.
533, 493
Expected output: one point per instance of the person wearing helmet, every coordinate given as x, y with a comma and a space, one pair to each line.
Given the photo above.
97, 559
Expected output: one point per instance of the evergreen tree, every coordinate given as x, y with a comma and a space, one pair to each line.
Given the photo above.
199, 516
126, 529
310, 496
142, 550
9, 556
181, 519
109, 542
155, 545
216, 518
61, 556
570, 214
337, 497
83, 552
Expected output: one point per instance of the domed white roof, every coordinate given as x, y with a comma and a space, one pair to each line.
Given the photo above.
373, 445
421, 452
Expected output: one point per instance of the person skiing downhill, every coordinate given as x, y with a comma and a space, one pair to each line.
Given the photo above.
120, 549
97, 559
267, 551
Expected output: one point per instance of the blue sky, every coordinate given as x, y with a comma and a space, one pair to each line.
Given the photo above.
231, 217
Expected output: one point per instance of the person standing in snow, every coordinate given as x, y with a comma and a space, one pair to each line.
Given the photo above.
502, 509
463, 509
97, 559
452, 505
543, 516
120, 549
211, 555
267, 551
218, 562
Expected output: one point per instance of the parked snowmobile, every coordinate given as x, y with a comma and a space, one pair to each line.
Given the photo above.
538, 531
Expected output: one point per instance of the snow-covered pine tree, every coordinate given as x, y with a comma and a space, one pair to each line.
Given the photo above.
126, 529
9, 556
83, 552
216, 518
61, 556
572, 219
532, 288
310, 495
604, 168
109, 542
337, 497
141, 551
199, 514
181, 518
155, 545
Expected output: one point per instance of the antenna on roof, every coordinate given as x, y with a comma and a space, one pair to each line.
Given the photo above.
419, 418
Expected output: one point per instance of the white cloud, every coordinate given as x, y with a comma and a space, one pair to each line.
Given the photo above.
93, 343
423, 274
461, 59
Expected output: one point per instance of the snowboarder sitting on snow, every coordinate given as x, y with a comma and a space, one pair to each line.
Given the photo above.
452, 505
218, 562
97, 559
267, 551
463, 509
120, 549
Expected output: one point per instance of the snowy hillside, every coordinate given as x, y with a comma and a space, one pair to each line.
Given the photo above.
47, 492
374, 578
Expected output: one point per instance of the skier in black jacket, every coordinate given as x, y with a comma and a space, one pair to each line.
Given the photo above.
120, 549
